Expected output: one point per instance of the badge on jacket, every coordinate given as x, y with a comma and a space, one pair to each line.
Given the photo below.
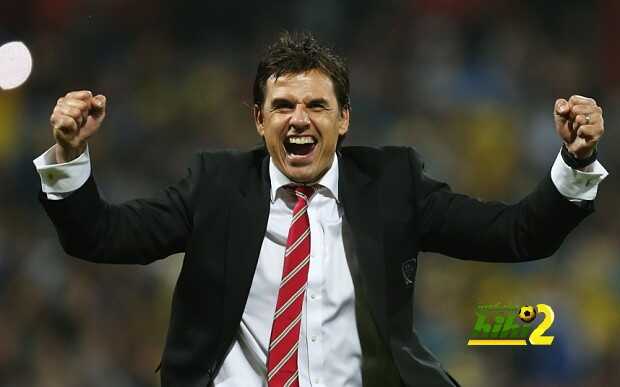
409, 268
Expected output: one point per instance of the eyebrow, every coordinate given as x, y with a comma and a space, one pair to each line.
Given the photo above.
285, 101
281, 101
318, 101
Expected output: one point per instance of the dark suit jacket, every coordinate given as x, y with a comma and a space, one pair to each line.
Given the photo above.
218, 214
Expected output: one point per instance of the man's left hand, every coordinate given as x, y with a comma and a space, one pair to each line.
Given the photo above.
579, 122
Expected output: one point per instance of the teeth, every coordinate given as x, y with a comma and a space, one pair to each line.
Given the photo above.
301, 140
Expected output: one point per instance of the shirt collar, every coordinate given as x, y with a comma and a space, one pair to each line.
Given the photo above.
329, 181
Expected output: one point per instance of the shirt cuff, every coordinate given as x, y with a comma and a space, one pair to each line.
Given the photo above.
577, 184
59, 180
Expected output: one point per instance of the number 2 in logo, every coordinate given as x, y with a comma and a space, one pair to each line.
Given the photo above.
537, 337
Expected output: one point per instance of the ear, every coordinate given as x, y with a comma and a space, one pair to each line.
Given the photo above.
343, 126
258, 120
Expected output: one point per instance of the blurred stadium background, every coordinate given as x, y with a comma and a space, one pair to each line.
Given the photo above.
470, 83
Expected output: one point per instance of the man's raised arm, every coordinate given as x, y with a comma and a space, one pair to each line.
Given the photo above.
463, 227
137, 231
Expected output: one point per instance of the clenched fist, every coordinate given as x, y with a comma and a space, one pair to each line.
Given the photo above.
76, 117
579, 121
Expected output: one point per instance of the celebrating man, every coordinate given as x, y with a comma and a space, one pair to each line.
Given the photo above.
300, 256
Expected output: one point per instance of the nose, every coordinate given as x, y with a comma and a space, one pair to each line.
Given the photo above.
300, 119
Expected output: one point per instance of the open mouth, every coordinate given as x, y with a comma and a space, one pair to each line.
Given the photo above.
299, 146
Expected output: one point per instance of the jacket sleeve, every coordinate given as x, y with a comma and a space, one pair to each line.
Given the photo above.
136, 231
463, 227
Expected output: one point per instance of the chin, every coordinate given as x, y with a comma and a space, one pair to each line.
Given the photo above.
301, 174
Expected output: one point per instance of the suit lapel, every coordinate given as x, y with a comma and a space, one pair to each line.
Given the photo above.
360, 198
249, 213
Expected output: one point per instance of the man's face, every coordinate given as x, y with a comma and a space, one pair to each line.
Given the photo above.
301, 121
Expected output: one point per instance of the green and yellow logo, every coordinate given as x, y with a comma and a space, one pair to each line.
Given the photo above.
512, 325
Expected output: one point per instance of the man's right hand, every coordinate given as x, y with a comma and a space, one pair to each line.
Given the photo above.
76, 117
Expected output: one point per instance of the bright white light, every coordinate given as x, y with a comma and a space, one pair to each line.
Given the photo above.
15, 65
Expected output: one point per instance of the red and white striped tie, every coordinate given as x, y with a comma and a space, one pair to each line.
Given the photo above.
282, 358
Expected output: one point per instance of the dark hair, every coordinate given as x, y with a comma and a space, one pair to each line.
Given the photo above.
297, 53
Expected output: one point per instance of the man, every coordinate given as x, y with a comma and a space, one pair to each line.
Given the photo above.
300, 257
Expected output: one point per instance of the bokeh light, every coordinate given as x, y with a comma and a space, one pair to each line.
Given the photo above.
15, 65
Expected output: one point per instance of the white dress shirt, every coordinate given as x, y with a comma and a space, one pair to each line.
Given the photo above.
329, 347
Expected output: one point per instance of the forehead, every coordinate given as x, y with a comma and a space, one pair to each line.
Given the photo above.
309, 84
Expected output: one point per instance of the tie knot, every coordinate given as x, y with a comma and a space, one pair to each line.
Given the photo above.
303, 191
